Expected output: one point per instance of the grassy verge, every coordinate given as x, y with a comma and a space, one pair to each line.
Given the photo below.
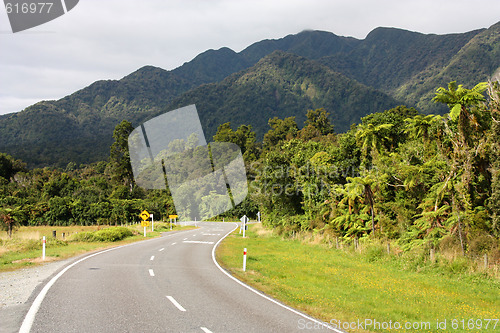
334, 286
24, 249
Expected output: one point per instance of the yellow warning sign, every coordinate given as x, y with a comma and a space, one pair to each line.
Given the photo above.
144, 215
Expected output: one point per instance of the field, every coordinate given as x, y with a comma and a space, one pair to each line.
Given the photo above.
342, 287
25, 247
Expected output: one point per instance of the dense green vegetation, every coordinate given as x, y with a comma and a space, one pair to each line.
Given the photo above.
348, 77
100, 193
421, 181
424, 181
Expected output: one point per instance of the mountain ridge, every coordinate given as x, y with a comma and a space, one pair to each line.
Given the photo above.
401, 65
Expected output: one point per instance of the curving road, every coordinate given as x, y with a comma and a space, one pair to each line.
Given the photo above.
167, 284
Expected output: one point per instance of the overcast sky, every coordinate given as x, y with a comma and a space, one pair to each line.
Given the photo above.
108, 39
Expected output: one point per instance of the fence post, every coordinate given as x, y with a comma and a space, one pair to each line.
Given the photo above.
432, 255
388, 248
244, 259
485, 261
43, 248
54, 233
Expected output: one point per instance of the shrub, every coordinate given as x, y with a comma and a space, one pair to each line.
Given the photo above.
374, 253
112, 234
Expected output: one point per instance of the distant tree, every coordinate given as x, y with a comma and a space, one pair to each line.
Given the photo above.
396, 117
319, 120
9, 166
9, 219
224, 133
281, 129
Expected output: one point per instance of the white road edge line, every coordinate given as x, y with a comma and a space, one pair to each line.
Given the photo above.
30, 316
35, 306
206, 330
261, 294
174, 302
152, 258
151, 273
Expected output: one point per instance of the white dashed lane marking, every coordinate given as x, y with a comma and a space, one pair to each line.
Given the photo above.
174, 302
151, 272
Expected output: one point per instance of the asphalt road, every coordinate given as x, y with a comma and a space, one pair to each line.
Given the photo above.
167, 284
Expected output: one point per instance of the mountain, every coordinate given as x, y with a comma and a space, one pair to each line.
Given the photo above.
281, 85
312, 69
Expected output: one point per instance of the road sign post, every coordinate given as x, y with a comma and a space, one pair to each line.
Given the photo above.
145, 220
152, 223
172, 217
244, 221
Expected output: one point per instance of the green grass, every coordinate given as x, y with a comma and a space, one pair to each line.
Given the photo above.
24, 249
333, 284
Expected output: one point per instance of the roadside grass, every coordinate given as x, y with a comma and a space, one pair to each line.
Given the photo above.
24, 249
334, 285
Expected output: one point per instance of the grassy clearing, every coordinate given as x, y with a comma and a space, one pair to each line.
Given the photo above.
24, 249
334, 284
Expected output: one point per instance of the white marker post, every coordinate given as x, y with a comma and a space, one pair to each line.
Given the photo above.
43, 248
152, 223
244, 259
144, 231
258, 216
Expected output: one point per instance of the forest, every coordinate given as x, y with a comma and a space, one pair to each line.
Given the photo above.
417, 179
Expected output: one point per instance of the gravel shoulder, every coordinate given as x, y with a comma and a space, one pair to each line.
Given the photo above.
17, 286
18, 289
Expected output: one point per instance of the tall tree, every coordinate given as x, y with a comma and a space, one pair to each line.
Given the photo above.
372, 137
460, 100
364, 185
494, 140
9, 219
121, 169
419, 125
